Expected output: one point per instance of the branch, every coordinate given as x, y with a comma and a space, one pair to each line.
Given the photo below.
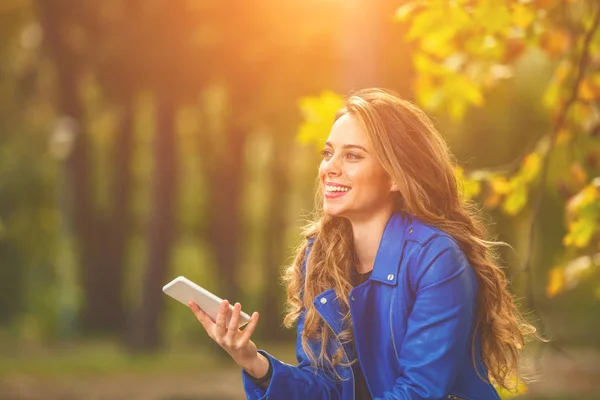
560, 121
512, 166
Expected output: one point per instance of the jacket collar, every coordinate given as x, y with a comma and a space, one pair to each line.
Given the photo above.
385, 269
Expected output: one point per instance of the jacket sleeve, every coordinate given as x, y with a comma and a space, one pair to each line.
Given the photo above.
439, 327
295, 382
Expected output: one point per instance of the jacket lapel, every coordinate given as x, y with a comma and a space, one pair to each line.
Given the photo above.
385, 269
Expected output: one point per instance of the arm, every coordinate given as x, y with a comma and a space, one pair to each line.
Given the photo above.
294, 382
299, 382
439, 327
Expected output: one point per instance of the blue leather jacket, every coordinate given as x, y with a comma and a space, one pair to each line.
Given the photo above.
413, 327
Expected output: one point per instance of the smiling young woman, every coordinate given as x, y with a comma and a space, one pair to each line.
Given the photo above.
395, 292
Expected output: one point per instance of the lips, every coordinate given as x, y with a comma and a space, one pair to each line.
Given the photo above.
335, 190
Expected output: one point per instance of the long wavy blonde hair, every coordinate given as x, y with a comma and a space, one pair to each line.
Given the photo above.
417, 158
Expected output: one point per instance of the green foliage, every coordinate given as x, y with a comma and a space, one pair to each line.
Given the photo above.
583, 213
465, 48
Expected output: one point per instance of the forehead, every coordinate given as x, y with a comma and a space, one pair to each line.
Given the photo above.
347, 130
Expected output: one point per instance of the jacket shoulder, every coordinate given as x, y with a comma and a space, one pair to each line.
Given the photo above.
438, 255
424, 233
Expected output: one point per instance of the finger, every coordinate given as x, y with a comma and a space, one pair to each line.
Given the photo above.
247, 334
221, 327
232, 329
204, 319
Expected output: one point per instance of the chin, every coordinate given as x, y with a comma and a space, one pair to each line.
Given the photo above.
333, 211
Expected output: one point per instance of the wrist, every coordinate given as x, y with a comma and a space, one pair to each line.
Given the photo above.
258, 367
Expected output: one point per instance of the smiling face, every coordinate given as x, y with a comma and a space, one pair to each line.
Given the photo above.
354, 183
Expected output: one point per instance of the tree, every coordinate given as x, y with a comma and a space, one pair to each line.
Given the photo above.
473, 47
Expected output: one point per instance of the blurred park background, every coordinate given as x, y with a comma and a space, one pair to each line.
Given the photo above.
145, 139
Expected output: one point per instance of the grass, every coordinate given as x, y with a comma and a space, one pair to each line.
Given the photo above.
103, 358
58, 372
109, 358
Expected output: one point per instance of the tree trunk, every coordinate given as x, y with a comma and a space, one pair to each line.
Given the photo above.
273, 301
226, 189
146, 334
101, 242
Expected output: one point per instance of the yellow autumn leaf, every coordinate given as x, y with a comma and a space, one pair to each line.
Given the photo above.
520, 388
583, 212
459, 173
556, 282
460, 93
424, 64
470, 187
556, 84
578, 173
404, 11
522, 15
584, 112
567, 240
318, 113
425, 22
574, 273
439, 42
457, 108
586, 196
500, 185
552, 94
580, 232
587, 91
468, 89
493, 16
564, 137
483, 46
492, 200
427, 94
555, 42
517, 198
531, 167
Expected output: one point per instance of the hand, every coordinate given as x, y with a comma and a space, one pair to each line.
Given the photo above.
235, 342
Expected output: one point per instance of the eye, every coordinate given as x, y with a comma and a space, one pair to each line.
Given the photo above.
326, 154
353, 156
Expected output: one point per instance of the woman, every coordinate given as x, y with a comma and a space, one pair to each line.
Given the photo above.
395, 292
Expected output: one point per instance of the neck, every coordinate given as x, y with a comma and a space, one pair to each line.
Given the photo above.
367, 236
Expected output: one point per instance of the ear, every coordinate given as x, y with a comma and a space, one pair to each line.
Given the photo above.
394, 187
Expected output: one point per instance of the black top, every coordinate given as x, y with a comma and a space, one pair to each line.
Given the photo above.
360, 385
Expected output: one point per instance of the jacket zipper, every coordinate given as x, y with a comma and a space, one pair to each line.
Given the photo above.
453, 397
346, 354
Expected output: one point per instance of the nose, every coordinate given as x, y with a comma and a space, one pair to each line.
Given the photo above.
332, 167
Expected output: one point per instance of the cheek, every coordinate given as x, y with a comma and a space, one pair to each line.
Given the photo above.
365, 175
321, 171
374, 179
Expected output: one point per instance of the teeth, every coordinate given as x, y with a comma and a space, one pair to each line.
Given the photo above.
336, 188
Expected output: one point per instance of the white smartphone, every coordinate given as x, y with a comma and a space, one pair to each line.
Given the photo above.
184, 290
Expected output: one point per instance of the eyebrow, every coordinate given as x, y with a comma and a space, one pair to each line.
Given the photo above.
348, 146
